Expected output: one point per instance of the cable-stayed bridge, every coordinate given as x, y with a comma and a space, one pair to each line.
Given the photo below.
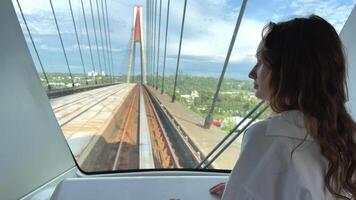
70, 135
122, 124
118, 123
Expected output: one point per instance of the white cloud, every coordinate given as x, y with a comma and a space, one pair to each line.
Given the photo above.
86, 47
40, 6
207, 35
215, 42
334, 11
42, 27
46, 47
208, 29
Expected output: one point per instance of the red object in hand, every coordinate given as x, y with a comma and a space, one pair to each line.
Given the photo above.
217, 190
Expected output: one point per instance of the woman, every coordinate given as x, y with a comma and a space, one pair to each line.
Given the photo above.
307, 150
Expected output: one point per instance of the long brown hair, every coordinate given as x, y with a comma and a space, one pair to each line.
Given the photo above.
309, 74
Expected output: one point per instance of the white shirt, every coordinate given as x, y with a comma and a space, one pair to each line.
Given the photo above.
266, 170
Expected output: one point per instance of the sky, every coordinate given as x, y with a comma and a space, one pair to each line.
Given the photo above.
207, 32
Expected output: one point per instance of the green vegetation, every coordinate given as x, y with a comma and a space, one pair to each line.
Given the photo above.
236, 97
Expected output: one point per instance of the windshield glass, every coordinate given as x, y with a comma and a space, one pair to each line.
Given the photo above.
133, 87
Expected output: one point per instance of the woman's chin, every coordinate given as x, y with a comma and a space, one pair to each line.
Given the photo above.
259, 95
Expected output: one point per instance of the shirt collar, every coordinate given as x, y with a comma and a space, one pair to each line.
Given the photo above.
288, 124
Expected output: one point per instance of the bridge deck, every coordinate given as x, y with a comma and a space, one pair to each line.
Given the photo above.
204, 139
84, 116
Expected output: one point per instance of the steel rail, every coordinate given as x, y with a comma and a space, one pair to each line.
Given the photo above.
173, 158
89, 107
124, 132
187, 141
146, 160
76, 100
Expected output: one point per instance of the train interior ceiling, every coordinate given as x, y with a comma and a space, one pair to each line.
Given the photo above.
41, 159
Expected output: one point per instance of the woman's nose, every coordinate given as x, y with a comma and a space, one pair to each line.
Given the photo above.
252, 73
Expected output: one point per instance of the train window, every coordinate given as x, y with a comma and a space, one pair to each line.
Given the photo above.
138, 85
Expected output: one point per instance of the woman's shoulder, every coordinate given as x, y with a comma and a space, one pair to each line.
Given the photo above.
256, 131
288, 124
270, 143
259, 128
277, 137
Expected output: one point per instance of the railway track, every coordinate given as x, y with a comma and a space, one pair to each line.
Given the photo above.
133, 138
161, 153
83, 97
128, 137
115, 148
66, 115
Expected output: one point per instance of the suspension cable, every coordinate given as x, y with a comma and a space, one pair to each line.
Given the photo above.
133, 61
180, 46
86, 29
60, 38
131, 55
165, 47
159, 39
209, 117
108, 27
76, 36
154, 42
34, 46
147, 35
101, 36
96, 40
106, 39
151, 40
234, 129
